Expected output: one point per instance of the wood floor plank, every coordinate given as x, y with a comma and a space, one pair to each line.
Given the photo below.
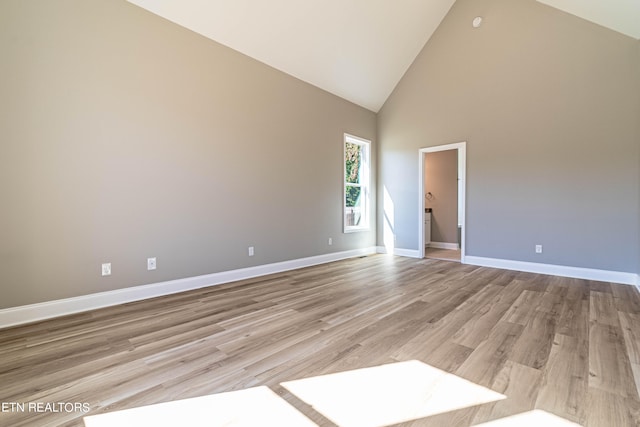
521, 309
520, 385
487, 360
534, 343
431, 336
482, 298
448, 356
477, 329
609, 409
563, 390
627, 298
603, 309
567, 346
552, 302
574, 318
609, 365
576, 288
630, 324
603, 287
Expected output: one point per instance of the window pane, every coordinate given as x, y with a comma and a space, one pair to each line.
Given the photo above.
352, 196
353, 206
353, 162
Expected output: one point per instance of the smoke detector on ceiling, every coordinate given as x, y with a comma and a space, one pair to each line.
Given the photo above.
477, 21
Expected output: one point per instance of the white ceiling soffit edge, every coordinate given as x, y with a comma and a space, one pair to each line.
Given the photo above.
622, 16
356, 49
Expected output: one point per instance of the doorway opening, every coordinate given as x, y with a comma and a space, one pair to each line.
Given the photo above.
442, 199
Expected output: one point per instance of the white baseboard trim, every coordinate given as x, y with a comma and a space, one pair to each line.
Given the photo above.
50, 309
409, 253
555, 270
444, 245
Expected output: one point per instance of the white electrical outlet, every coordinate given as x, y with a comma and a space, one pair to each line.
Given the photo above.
250, 250
538, 249
151, 263
106, 269
330, 241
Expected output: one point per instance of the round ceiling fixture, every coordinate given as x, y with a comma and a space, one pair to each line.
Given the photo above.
477, 21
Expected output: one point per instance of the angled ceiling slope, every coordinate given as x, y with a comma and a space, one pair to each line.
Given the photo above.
356, 49
622, 16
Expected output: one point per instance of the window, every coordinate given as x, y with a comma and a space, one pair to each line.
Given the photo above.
357, 169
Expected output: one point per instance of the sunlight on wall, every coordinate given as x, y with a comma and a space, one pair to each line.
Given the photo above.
533, 418
388, 232
388, 394
251, 407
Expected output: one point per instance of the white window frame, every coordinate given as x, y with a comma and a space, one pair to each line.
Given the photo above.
365, 184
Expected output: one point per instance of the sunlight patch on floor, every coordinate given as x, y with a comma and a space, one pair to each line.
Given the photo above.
372, 397
388, 394
257, 406
533, 418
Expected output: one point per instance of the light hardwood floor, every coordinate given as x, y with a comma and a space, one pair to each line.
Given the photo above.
443, 254
566, 346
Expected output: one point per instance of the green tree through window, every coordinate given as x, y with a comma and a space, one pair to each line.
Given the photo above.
356, 183
353, 161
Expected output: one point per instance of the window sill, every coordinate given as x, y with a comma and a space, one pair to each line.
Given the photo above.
355, 229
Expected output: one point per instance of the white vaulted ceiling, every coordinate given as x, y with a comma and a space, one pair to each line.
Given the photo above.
622, 16
356, 49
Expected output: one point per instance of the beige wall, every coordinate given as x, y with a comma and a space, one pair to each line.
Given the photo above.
638, 141
548, 105
124, 136
441, 180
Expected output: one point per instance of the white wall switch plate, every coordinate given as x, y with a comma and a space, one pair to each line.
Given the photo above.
330, 241
250, 250
151, 263
538, 249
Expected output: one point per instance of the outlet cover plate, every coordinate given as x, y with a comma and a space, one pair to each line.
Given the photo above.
106, 269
